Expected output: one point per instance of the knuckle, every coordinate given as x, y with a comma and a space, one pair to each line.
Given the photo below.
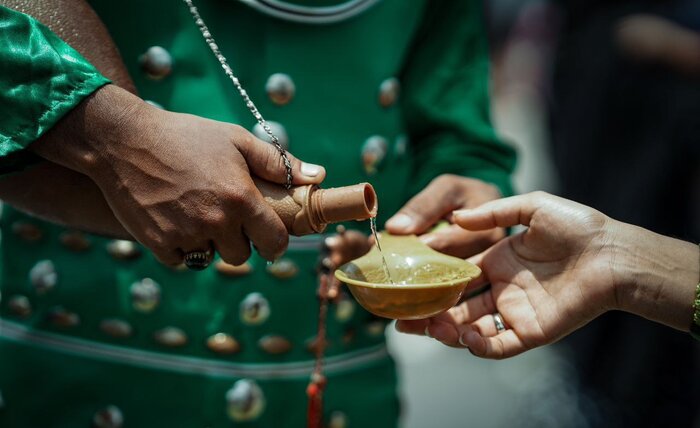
239, 133
214, 219
243, 139
539, 195
443, 179
238, 195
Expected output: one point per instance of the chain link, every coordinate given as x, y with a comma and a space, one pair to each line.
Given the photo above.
248, 102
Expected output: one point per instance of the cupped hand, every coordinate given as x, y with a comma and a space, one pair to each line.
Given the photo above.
546, 282
436, 202
181, 183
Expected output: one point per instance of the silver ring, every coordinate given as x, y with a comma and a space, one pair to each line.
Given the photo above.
198, 260
498, 321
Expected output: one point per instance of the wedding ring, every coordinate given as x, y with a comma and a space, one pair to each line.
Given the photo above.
498, 321
198, 260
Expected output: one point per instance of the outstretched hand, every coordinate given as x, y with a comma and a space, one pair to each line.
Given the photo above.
546, 282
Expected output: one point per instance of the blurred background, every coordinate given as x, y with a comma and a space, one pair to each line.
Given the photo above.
602, 101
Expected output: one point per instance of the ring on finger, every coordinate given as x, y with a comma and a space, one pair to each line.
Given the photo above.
198, 260
498, 322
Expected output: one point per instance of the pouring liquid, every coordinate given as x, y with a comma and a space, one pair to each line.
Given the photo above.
373, 226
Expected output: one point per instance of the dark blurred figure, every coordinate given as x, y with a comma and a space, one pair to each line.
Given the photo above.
625, 132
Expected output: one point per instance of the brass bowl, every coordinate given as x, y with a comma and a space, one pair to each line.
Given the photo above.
426, 282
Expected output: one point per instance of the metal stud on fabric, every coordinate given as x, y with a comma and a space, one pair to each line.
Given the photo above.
283, 269
222, 343
227, 269
280, 88
245, 401
61, 317
373, 153
344, 309
145, 295
19, 306
156, 62
75, 241
43, 276
122, 249
254, 309
109, 417
389, 92
338, 420
275, 345
116, 328
172, 337
27, 231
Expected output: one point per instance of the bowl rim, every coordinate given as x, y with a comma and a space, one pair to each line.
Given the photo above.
445, 284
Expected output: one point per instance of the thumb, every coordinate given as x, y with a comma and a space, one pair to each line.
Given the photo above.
425, 209
266, 162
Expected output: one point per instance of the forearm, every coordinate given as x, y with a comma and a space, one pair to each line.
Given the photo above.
51, 190
71, 199
70, 141
76, 23
656, 276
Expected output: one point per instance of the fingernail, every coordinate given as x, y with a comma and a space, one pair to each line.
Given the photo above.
400, 221
427, 331
461, 213
472, 336
462, 342
310, 170
427, 239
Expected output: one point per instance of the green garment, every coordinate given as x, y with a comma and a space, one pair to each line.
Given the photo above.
41, 79
86, 324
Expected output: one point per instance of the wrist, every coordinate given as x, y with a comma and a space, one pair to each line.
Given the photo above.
79, 141
654, 276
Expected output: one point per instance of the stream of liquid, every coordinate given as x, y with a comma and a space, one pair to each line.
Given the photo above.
373, 226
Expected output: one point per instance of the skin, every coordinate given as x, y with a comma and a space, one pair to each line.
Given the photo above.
436, 203
650, 38
174, 182
568, 267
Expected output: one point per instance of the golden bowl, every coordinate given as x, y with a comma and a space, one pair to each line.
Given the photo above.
425, 282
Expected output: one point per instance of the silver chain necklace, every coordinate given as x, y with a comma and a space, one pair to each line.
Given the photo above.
248, 102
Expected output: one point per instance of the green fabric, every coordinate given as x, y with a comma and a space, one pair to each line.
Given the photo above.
41, 79
78, 386
337, 69
446, 100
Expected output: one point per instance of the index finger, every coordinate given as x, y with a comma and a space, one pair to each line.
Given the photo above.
425, 209
506, 212
264, 227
